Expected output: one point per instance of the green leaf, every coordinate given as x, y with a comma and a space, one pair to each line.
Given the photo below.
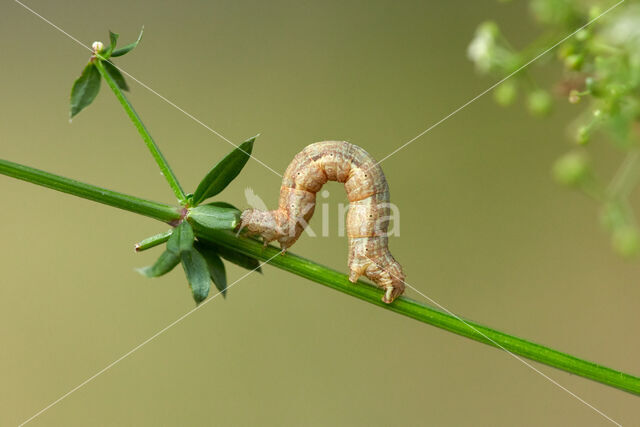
113, 38
214, 217
236, 258
224, 172
85, 89
162, 266
153, 241
115, 75
126, 49
197, 271
182, 239
223, 205
216, 267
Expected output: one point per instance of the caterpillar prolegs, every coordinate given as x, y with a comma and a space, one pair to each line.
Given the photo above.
367, 217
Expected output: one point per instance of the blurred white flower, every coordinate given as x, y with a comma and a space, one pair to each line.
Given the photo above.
481, 50
625, 29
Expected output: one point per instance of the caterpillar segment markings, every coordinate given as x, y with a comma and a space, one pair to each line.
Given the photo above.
367, 217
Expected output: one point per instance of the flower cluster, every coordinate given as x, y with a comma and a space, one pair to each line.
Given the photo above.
601, 76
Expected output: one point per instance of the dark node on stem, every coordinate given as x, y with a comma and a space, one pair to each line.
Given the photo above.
183, 214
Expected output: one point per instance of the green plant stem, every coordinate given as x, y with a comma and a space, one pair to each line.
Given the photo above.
146, 136
335, 280
408, 307
144, 207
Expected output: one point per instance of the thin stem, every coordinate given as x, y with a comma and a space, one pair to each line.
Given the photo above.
148, 208
153, 241
146, 136
626, 177
334, 279
410, 308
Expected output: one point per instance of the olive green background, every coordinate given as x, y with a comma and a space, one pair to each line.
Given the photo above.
484, 229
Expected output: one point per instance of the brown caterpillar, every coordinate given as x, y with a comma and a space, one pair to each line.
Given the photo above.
367, 217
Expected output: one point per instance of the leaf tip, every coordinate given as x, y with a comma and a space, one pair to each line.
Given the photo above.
249, 142
199, 297
143, 271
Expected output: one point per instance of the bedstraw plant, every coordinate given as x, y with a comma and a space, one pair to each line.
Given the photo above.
203, 232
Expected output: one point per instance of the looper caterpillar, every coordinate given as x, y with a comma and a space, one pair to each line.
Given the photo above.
367, 217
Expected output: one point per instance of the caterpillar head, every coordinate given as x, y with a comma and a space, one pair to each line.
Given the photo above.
265, 223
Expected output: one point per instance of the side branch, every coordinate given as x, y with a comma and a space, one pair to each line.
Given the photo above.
144, 133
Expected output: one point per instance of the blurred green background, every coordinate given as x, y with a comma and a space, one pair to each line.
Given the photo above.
484, 229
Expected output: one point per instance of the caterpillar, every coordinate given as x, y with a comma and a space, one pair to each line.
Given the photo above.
367, 216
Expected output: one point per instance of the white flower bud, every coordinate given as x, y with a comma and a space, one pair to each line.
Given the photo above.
97, 47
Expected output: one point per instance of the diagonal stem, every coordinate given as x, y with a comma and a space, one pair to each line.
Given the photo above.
333, 279
146, 136
410, 308
140, 206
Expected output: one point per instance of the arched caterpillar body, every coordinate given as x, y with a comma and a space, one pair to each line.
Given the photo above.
367, 217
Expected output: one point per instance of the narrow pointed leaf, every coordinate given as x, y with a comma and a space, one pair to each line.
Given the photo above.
164, 264
113, 38
85, 89
197, 271
126, 49
215, 217
224, 172
216, 267
116, 75
236, 258
181, 239
153, 241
